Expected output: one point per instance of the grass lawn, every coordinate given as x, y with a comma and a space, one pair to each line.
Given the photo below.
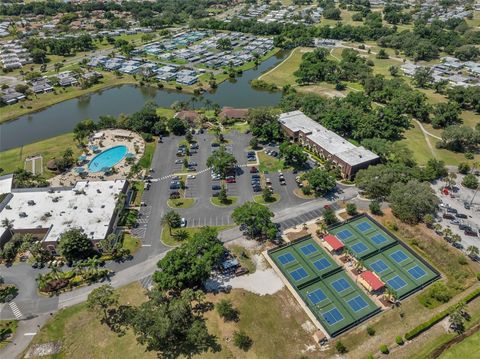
53, 147
269, 163
169, 239
283, 73
132, 243
464, 349
82, 336
139, 189
244, 257
269, 320
146, 160
10, 324
259, 199
415, 141
165, 112
181, 202
241, 127
231, 200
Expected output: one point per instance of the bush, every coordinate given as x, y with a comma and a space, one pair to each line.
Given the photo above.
242, 340
375, 208
369, 356
341, 348
384, 349
478, 275
7, 292
370, 331
351, 209
470, 181
463, 168
226, 310
399, 340
462, 260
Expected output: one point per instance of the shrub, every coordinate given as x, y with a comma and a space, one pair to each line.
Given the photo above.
478, 275
7, 292
369, 356
341, 348
462, 260
226, 310
242, 340
351, 209
370, 331
463, 168
399, 340
375, 208
384, 349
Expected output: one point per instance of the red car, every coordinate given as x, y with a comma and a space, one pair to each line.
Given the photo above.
230, 180
253, 170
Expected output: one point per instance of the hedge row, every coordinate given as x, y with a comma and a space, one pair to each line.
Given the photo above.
440, 316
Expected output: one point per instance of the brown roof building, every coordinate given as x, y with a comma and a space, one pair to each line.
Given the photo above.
326, 144
233, 113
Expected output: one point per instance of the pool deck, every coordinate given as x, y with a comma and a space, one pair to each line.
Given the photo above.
104, 140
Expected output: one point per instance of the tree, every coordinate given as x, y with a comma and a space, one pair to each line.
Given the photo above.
320, 180
190, 264
171, 219
226, 310
83, 129
341, 348
254, 143
394, 71
173, 326
222, 195
329, 216
472, 251
221, 161
256, 218
177, 126
446, 114
375, 208
74, 244
332, 13
460, 138
470, 181
293, 154
263, 122
411, 201
457, 319
351, 209
242, 340
382, 54
463, 168
376, 181
224, 44
429, 220
433, 170
267, 195
39, 56
423, 77
101, 299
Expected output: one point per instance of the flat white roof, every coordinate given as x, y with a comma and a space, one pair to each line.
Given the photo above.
88, 205
326, 139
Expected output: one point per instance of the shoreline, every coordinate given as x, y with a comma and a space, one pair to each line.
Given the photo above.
113, 82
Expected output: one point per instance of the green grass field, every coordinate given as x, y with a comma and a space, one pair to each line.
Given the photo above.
146, 160
465, 349
231, 200
269, 163
53, 147
131, 243
181, 202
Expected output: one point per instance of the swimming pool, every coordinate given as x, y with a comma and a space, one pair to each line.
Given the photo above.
107, 159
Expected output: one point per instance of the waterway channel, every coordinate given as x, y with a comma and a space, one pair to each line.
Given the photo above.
62, 117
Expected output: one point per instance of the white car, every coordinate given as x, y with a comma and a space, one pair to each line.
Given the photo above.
191, 177
183, 222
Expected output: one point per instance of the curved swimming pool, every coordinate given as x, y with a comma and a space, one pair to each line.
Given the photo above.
108, 158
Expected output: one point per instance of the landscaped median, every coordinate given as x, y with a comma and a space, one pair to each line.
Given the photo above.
260, 199
230, 200
178, 235
181, 202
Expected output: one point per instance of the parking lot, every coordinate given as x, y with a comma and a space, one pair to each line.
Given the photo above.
453, 204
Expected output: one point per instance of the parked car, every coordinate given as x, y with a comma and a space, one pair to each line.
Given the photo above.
174, 195
458, 245
448, 216
466, 205
215, 194
464, 227
231, 180
216, 187
193, 164
241, 271
471, 233
451, 210
253, 170
178, 162
461, 215
191, 176
256, 176
183, 222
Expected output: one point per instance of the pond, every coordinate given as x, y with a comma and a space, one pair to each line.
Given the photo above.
62, 117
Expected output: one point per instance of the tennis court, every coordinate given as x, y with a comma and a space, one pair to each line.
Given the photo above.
335, 300
381, 252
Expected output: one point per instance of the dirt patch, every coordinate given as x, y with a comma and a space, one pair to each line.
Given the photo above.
41, 350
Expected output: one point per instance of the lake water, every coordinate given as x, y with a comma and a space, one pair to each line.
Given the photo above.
62, 117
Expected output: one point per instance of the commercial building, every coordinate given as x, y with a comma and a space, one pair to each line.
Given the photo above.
326, 144
48, 212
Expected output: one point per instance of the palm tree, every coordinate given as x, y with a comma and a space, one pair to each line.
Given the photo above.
181, 235
456, 238
391, 295
359, 265
472, 251
171, 219
7, 224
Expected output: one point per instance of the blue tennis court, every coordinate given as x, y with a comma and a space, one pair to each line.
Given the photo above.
286, 258
378, 238
364, 226
299, 274
359, 247
316, 296
308, 249
416, 272
321, 263
342, 235
357, 303
399, 256
397, 282
379, 266
340, 285
332, 316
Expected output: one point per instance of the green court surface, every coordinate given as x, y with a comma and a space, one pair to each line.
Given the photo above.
334, 299
381, 252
